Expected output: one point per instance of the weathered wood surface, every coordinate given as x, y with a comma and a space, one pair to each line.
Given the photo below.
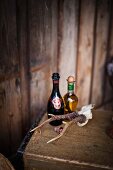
28, 53
10, 99
5, 163
86, 147
38, 38
67, 36
111, 32
43, 45
85, 50
100, 51
23, 52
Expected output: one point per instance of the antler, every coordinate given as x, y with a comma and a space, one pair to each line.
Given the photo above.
81, 118
69, 117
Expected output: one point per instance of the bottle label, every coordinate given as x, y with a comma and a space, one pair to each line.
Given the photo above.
70, 86
56, 102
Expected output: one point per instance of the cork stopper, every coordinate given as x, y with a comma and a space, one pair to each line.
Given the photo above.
71, 79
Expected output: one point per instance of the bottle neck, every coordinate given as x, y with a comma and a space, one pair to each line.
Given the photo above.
56, 85
70, 87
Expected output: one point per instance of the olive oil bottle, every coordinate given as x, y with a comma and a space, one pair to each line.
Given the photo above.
55, 104
70, 98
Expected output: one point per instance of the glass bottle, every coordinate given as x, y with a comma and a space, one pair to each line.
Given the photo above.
55, 104
70, 98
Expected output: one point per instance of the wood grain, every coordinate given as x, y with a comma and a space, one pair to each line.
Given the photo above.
10, 116
43, 51
38, 38
111, 32
68, 41
78, 148
85, 51
100, 51
5, 163
23, 51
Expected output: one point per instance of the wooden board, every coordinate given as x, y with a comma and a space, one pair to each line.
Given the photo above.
108, 89
5, 164
38, 38
111, 32
86, 147
10, 116
24, 70
67, 51
100, 52
85, 51
43, 52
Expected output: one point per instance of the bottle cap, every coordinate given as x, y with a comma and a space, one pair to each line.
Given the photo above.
55, 76
71, 79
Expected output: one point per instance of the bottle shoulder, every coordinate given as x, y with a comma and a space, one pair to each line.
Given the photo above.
70, 95
55, 94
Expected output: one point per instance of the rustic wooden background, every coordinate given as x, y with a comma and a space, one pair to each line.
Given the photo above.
39, 37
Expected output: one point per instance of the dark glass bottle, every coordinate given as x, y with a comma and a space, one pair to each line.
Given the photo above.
55, 103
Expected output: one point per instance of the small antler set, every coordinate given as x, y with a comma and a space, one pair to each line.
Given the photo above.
81, 118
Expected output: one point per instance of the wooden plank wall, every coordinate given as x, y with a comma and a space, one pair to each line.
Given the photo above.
37, 38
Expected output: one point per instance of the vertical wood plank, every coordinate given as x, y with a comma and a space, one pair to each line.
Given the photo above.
111, 32
23, 51
38, 38
38, 55
43, 52
108, 92
4, 129
100, 51
10, 126
68, 28
13, 114
54, 36
85, 50
8, 53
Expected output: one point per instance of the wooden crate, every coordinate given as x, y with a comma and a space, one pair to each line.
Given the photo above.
5, 163
86, 147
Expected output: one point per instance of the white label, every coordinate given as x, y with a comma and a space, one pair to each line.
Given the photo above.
56, 102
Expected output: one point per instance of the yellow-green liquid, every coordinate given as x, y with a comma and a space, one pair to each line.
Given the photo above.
70, 102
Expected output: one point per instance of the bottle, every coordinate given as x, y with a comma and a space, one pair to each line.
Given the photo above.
55, 104
70, 99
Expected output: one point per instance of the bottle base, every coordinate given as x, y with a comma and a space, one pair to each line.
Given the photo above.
55, 122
